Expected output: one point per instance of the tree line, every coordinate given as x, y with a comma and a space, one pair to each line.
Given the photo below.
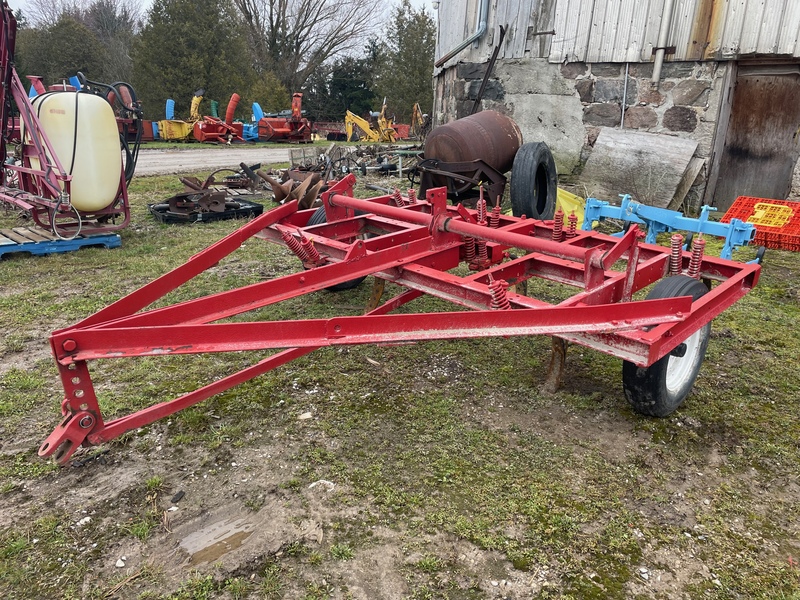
341, 54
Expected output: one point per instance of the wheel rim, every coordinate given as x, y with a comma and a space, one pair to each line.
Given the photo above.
681, 368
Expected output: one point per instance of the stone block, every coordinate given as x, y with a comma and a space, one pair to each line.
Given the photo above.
640, 117
573, 70
651, 96
680, 118
494, 90
470, 70
689, 91
604, 115
641, 70
463, 108
585, 89
612, 90
677, 70
607, 69
533, 76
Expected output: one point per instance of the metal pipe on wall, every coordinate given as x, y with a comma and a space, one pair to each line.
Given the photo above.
624, 97
483, 18
663, 38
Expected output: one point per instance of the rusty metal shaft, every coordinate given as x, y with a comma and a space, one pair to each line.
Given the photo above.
451, 224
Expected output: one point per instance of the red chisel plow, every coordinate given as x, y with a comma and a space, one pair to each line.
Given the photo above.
417, 244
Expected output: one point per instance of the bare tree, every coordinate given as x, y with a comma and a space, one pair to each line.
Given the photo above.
46, 13
293, 38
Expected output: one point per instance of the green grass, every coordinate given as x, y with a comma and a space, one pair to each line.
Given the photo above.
442, 440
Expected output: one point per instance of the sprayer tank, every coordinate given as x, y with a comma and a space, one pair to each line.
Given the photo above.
83, 132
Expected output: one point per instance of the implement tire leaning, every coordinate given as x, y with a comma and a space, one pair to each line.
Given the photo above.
534, 182
658, 390
318, 218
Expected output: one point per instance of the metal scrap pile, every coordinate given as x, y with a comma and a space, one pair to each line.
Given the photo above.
210, 200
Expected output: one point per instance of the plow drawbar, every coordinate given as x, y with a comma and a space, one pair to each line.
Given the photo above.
419, 245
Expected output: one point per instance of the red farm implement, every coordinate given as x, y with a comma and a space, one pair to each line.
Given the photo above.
215, 130
292, 127
68, 170
421, 246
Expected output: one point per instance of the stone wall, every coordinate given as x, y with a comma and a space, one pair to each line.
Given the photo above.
564, 105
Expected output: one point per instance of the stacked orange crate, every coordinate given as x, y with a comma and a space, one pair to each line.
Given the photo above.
777, 221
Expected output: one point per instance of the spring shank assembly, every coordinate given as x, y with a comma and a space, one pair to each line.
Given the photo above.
418, 246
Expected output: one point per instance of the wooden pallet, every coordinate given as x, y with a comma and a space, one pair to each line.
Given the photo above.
40, 242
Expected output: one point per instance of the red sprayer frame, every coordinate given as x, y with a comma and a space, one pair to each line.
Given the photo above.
43, 185
415, 244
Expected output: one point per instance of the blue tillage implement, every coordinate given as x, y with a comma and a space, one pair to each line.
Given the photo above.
38, 242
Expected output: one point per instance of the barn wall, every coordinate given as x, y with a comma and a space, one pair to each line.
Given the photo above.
529, 29
566, 81
565, 105
623, 30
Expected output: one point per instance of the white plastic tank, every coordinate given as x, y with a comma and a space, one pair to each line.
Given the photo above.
82, 130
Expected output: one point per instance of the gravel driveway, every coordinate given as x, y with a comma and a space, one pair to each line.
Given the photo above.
167, 162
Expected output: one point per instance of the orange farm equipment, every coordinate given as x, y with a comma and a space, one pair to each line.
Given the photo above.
215, 130
293, 128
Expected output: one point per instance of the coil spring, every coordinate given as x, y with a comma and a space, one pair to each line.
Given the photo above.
494, 218
469, 250
572, 229
294, 245
481, 209
311, 252
398, 198
499, 291
698, 249
483, 255
558, 225
412, 196
675, 261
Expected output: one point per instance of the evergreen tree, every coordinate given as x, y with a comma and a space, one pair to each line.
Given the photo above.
115, 27
406, 77
186, 45
351, 87
269, 92
60, 51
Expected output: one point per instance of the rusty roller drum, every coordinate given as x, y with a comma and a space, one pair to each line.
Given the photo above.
489, 136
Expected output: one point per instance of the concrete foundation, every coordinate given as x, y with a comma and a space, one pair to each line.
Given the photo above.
564, 104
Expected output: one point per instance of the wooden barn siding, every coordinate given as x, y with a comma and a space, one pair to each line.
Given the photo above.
456, 23
624, 30
515, 17
523, 20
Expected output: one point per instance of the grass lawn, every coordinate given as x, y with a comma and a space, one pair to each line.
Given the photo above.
432, 470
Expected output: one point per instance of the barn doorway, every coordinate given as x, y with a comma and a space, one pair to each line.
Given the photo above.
762, 142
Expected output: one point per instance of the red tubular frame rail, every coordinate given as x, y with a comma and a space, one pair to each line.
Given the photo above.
417, 246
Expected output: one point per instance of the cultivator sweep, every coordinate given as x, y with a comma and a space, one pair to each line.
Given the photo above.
477, 259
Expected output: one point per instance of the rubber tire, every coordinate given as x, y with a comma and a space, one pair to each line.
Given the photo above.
657, 390
534, 182
318, 218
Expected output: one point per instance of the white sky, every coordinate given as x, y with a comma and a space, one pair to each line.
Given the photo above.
428, 4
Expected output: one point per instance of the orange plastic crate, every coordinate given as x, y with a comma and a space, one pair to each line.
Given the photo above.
777, 221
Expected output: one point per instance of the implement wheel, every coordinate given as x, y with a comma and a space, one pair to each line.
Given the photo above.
534, 182
318, 218
658, 390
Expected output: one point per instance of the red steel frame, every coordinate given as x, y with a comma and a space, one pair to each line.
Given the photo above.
416, 246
